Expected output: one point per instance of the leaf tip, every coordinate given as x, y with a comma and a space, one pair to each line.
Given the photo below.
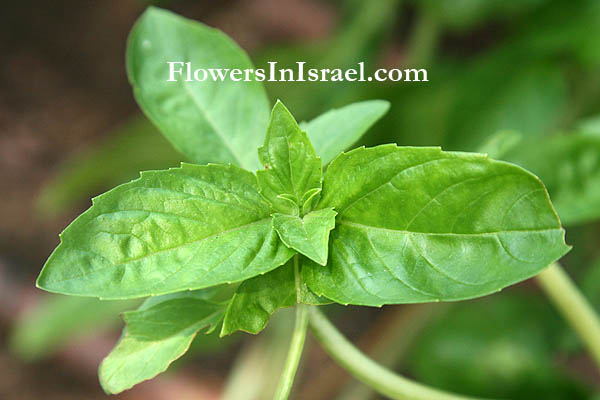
384, 105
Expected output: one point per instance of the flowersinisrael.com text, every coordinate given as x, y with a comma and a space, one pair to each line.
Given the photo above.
184, 71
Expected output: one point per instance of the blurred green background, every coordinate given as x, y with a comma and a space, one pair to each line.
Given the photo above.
518, 79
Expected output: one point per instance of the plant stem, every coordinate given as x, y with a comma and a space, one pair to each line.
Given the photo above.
396, 335
296, 345
366, 370
574, 307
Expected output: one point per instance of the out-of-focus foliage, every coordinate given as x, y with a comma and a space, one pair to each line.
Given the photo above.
590, 126
132, 147
499, 347
590, 284
362, 31
462, 15
569, 166
58, 320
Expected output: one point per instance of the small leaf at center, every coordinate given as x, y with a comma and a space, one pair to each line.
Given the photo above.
308, 235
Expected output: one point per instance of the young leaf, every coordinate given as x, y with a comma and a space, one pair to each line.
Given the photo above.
291, 165
216, 121
258, 298
156, 334
185, 228
420, 224
570, 167
336, 130
308, 235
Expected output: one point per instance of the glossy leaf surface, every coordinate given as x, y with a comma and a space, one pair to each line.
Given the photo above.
216, 121
419, 224
185, 228
158, 333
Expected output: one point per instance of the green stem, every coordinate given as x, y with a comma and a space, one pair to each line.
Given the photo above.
296, 345
574, 307
366, 370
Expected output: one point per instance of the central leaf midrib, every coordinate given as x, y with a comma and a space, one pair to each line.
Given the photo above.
159, 251
210, 122
492, 233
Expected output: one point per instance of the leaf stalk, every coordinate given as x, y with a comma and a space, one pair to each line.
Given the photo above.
368, 371
297, 344
573, 306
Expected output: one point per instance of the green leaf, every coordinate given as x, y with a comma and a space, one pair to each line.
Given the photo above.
216, 121
291, 166
308, 235
337, 130
185, 228
158, 333
570, 167
258, 298
58, 320
420, 224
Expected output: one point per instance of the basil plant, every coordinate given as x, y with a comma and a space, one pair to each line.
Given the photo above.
299, 223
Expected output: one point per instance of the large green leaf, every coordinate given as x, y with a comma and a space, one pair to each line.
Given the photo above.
308, 235
292, 169
338, 129
256, 299
419, 224
158, 333
185, 228
217, 121
570, 167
